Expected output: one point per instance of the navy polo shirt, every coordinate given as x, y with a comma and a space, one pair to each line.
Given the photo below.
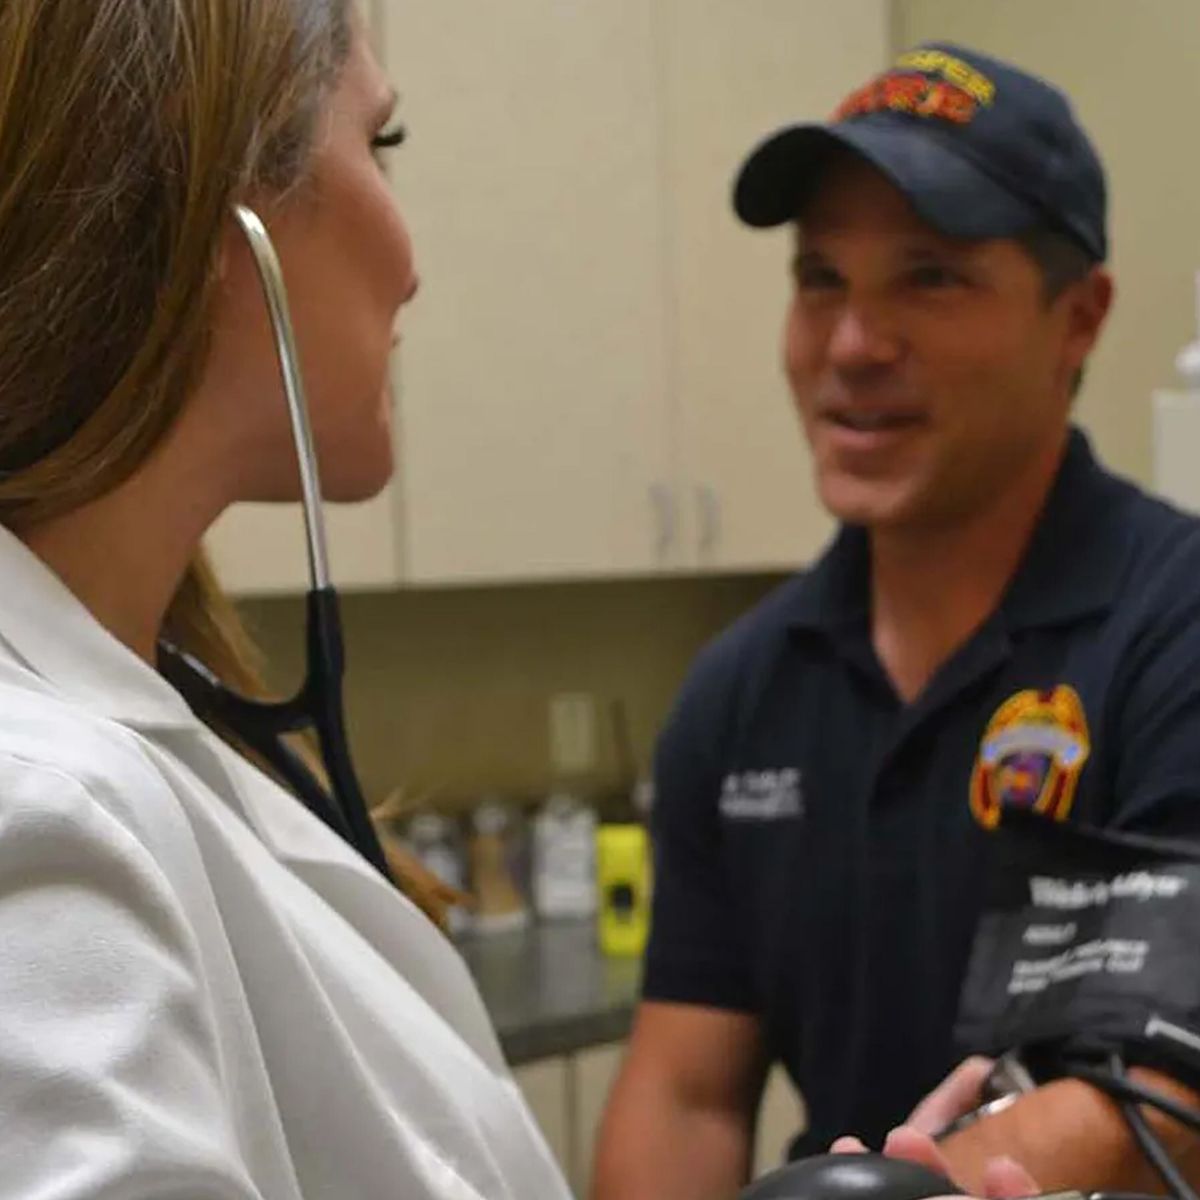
818, 860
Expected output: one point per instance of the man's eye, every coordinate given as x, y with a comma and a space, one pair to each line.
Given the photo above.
933, 275
811, 277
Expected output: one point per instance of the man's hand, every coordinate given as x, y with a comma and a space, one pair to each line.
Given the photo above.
1066, 1134
1003, 1178
954, 1097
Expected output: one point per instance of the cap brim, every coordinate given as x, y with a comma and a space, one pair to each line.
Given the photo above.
945, 188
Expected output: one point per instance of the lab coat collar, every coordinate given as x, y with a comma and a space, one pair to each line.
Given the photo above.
50, 632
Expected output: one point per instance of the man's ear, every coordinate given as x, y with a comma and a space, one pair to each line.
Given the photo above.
1089, 302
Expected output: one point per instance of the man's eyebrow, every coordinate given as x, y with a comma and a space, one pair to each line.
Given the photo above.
806, 255
928, 250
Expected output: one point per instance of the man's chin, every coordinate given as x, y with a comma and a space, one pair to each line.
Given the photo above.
874, 505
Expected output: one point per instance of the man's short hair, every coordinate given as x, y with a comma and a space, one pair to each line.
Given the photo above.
1061, 261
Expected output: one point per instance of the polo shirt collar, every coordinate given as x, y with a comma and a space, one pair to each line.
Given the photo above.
835, 593
1077, 557
1067, 572
49, 632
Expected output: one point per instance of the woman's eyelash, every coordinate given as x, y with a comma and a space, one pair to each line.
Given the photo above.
390, 139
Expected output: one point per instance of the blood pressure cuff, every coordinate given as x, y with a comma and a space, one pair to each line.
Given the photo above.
1086, 935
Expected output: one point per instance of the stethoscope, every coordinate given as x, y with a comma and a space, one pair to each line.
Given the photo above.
318, 706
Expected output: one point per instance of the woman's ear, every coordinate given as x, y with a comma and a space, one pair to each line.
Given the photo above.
227, 249
233, 252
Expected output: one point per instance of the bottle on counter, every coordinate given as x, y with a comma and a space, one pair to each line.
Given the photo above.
624, 877
434, 840
495, 852
564, 859
1176, 427
642, 798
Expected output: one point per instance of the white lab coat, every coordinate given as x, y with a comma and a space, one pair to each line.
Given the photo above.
203, 992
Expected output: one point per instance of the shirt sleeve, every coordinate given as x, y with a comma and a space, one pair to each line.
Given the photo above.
110, 1077
1156, 784
696, 953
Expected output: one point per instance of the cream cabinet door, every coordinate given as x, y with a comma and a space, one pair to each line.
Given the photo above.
595, 1071
590, 380
533, 374
545, 1086
732, 73
780, 1118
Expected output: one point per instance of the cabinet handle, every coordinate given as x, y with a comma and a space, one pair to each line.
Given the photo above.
663, 499
708, 505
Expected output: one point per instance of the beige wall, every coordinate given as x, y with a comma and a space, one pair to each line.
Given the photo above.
448, 689
1133, 69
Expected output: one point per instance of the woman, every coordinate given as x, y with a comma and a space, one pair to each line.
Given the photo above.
202, 991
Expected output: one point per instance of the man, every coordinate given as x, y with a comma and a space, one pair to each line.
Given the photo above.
825, 785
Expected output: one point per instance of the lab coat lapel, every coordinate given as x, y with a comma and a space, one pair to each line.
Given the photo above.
388, 920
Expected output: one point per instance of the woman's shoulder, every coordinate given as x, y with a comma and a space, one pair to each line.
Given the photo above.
63, 763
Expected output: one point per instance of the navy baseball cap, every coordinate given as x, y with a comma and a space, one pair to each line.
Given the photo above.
980, 148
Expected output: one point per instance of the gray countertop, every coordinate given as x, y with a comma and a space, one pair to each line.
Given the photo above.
550, 991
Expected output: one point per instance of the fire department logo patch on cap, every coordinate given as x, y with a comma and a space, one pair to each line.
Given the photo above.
1031, 756
924, 83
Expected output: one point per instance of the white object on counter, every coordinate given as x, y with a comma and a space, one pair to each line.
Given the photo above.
564, 859
1188, 361
1177, 429
1177, 448
643, 798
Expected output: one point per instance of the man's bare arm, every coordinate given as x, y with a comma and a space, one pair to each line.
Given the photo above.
680, 1121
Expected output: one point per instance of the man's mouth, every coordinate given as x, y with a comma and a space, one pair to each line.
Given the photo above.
873, 422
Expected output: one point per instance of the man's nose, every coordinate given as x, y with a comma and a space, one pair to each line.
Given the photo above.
863, 336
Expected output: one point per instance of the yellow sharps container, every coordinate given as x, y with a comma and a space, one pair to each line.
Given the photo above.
623, 876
